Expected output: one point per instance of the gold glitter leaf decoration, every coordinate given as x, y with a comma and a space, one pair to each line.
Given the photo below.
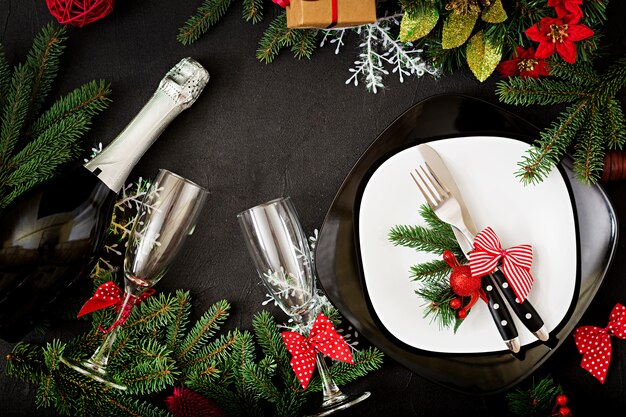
482, 57
494, 13
415, 27
458, 27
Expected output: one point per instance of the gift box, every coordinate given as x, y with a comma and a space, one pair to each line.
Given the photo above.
330, 13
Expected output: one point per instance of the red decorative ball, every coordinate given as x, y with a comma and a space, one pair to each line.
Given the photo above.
455, 303
565, 412
461, 314
79, 12
463, 283
561, 399
188, 403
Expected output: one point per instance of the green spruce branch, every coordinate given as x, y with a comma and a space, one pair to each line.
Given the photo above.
592, 123
34, 145
539, 400
435, 238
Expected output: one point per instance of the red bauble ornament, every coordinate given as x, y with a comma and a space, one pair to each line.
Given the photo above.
565, 412
561, 399
188, 403
462, 283
79, 12
455, 303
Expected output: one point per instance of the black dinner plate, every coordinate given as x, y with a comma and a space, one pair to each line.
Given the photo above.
341, 275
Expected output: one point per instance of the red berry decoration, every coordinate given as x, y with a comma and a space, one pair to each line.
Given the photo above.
561, 399
565, 412
462, 283
79, 12
455, 303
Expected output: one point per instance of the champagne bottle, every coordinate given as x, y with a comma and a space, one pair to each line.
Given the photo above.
51, 236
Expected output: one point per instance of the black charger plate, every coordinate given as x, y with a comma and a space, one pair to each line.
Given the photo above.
341, 276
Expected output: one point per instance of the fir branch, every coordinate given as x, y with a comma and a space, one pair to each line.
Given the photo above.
589, 155
204, 328
614, 125
275, 37
420, 238
253, 10
365, 361
122, 405
14, 112
5, 76
215, 352
156, 312
88, 100
259, 380
43, 62
290, 404
428, 272
149, 376
438, 295
26, 361
530, 91
538, 400
552, 144
596, 95
174, 332
304, 43
207, 15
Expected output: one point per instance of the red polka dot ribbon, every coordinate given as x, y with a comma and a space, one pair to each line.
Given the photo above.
594, 343
109, 295
516, 261
322, 338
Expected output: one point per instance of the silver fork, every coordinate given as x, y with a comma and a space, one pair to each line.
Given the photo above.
448, 209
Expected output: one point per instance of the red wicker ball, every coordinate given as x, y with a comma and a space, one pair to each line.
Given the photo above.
79, 12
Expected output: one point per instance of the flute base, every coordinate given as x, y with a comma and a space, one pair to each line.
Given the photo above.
93, 371
339, 402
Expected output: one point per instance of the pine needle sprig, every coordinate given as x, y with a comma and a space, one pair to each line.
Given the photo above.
32, 146
583, 123
5, 76
43, 61
253, 10
207, 15
536, 401
365, 361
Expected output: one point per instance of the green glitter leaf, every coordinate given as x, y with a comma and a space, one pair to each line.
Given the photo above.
494, 13
482, 57
458, 27
414, 27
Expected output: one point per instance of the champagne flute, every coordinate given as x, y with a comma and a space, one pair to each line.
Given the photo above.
166, 216
281, 254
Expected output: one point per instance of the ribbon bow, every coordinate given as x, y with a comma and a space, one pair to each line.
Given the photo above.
516, 261
322, 338
594, 343
109, 294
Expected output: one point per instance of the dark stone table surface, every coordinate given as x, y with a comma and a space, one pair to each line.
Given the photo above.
289, 128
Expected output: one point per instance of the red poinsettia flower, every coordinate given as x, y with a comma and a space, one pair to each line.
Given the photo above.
570, 8
525, 64
558, 35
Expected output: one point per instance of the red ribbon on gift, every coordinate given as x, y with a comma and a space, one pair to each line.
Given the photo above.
516, 261
322, 338
334, 8
109, 295
594, 343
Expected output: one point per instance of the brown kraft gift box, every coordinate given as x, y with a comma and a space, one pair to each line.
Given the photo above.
318, 13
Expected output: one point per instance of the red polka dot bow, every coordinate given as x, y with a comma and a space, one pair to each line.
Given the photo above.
322, 338
594, 343
108, 295
516, 261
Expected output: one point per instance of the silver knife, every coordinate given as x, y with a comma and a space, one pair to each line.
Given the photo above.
524, 311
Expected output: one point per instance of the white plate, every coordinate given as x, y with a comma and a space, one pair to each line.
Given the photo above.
483, 168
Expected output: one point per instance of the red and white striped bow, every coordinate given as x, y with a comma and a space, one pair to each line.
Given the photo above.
516, 261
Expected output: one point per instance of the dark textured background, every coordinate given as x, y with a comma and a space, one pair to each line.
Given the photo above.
260, 131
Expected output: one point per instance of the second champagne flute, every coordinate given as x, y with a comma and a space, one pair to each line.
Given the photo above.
282, 257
